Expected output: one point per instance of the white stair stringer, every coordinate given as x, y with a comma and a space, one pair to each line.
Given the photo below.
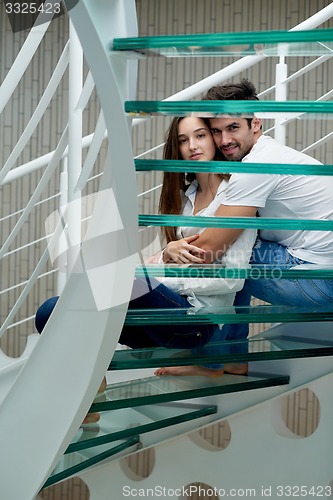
11, 367
262, 453
55, 387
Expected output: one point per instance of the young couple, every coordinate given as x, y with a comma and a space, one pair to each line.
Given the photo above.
244, 195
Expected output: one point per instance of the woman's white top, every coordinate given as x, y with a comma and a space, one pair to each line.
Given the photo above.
203, 292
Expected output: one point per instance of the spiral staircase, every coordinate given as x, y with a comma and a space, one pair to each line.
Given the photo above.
44, 400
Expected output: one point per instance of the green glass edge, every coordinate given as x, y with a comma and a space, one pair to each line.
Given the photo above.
231, 166
122, 360
241, 222
227, 107
214, 39
60, 476
191, 393
301, 49
211, 271
142, 429
225, 315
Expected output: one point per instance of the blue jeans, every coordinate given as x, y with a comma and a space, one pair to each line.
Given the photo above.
175, 336
290, 292
146, 294
193, 336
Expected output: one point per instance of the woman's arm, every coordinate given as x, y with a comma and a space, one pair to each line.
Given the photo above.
213, 241
237, 257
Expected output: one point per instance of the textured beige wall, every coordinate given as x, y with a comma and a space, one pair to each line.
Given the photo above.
158, 78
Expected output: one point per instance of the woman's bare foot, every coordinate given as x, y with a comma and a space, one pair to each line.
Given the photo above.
92, 418
202, 371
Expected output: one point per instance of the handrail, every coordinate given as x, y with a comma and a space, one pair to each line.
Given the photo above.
22, 283
38, 113
320, 142
39, 189
33, 278
22, 61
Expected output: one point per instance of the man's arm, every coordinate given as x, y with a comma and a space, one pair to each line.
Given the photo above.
216, 241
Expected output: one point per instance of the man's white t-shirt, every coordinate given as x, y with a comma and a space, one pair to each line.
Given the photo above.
287, 197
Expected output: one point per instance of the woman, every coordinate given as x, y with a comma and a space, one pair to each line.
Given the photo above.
188, 138
198, 194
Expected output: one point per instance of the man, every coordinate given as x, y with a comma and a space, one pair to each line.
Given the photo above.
271, 195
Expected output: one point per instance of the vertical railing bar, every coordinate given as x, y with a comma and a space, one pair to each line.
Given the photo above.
74, 146
87, 90
62, 245
92, 154
280, 95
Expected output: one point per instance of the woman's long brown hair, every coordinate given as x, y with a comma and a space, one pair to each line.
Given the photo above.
176, 183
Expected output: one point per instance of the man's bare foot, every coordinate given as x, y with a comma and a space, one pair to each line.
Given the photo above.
199, 371
202, 371
92, 418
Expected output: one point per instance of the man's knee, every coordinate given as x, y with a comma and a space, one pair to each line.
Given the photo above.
44, 312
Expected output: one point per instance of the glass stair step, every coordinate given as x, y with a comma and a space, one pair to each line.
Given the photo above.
268, 43
262, 109
73, 463
227, 315
264, 346
242, 222
230, 166
153, 390
307, 271
125, 423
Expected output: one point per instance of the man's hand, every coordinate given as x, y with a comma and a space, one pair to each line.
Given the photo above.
182, 252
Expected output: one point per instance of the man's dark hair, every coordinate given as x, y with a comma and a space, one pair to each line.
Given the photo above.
243, 91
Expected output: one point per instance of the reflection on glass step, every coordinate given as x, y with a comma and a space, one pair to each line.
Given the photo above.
258, 348
248, 222
308, 271
124, 423
153, 390
268, 43
227, 315
262, 109
230, 166
73, 463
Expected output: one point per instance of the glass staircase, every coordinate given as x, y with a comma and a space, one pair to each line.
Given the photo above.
118, 433
269, 43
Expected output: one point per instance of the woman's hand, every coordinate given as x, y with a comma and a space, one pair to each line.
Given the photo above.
182, 252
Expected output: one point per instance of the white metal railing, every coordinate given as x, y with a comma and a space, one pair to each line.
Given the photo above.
38, 113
